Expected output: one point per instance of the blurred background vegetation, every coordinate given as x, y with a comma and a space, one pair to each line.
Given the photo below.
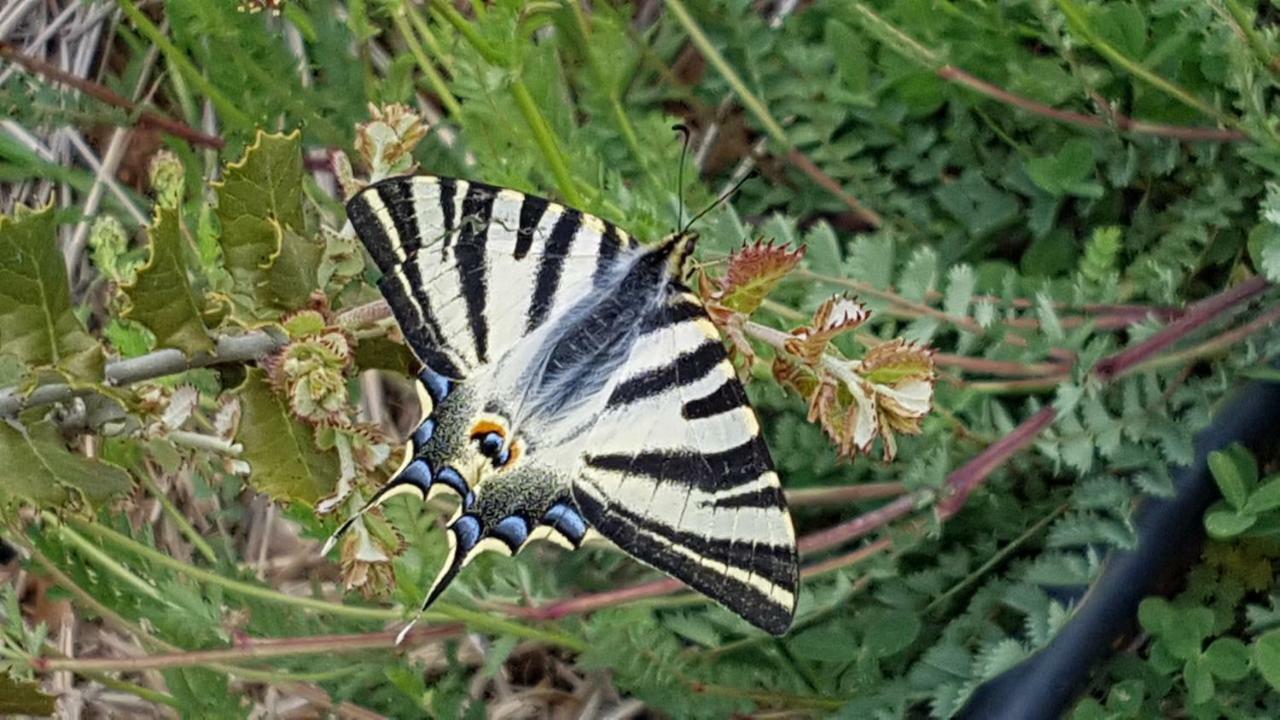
1072, 203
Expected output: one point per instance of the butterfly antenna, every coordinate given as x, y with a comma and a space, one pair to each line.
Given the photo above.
727, 194
684, 151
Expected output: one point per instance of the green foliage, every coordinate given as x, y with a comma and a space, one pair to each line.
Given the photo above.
37, 325
273, 268
24, 698
160, 297
38, 469
280, 449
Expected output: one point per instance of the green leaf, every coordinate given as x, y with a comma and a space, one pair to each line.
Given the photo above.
1199, 680
1271, 257
259, 198
37, 325
161, 295
293, 275
1235, 471
1266, 657
961, 282
37, 467
1185, 630
286, 463
1265, 498
1069, 171
23, 698
889, 631
824, 644
1228, 658
1225, 524
1125, 698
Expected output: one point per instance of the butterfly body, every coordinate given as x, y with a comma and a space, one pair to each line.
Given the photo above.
572, 382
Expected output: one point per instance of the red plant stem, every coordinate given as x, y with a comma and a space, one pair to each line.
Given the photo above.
859, 526
972, 474
841, 561
595, 601
1196, 316
1115, 120
808, 167
104, 94
1005, 368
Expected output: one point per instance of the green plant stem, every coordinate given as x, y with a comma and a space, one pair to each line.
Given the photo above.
473, 618
175, 515
473, 37
152, 696
1244, 25
424, 33
433, 77
713, 56
95, 553
995, 559
239, 587
116, 620
1079, 23
843, 494
182, 64
616, 111
915, 51
546, 141
246, 649
538, 125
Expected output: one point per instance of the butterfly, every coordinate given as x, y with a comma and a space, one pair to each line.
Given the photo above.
573, 385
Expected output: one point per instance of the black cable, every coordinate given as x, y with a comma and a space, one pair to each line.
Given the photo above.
1169, 530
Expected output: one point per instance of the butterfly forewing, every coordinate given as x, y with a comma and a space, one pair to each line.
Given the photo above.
574, 382
469, 269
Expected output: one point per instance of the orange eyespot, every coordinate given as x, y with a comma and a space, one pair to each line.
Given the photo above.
493, 439
484, 427
516, 450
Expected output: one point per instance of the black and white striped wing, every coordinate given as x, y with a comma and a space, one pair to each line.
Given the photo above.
677, 474
468, 268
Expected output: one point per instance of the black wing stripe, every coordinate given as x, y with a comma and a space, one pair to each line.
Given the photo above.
709, 472
678, 311
448, 188
687, 368
766, 497
729, 396
371, 232
557, 248
470, 252
610, 244
398, 197
654, 543
531, 211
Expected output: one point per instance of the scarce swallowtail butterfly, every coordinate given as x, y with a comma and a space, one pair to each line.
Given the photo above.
571, 382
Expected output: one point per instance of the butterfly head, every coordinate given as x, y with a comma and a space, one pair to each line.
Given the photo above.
679, 246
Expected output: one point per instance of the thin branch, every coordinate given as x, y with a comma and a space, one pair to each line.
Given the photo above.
843, 494
962, 482
911, 307
102, 93
911, 48
1115, 120
1196, 317
251, 649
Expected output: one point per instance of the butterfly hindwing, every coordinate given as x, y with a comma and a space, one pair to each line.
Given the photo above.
677, 475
